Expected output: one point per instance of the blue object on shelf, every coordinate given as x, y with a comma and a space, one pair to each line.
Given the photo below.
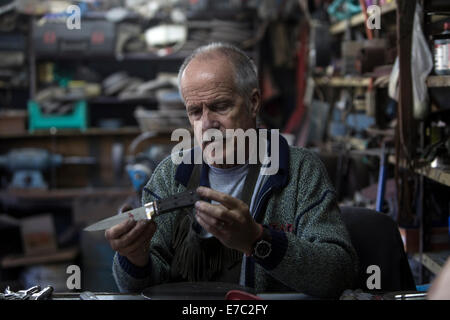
76, 120
423, 287
337, 129
343, 9
139, 175
381, 182
359, 121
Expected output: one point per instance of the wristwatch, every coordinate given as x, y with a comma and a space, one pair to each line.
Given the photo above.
263, 246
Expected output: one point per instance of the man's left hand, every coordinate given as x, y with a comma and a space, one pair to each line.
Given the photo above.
229, 220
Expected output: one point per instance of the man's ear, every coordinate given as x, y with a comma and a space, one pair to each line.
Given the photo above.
255, 102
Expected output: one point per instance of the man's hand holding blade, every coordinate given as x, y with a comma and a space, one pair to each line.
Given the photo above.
132, 239
229, 220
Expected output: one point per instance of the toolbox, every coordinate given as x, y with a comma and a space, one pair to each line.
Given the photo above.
95, 38
76, 120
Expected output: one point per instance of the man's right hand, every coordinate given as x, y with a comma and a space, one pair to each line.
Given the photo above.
131, 239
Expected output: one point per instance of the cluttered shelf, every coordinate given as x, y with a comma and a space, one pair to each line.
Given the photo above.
353, 81
62, 255
435, 174
133, 56
343, 81
88, 132
149, 56
438, 81
433, 261
60, 194
359, 18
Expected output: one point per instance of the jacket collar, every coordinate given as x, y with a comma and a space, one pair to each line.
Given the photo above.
278, 180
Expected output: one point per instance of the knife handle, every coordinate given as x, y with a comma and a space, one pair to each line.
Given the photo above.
176, 201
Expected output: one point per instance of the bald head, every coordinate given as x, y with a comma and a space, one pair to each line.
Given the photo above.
230, 59
208, 75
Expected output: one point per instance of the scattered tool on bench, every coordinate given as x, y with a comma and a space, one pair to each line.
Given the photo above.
33, 293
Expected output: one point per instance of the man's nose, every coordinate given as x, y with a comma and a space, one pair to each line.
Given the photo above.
209, 120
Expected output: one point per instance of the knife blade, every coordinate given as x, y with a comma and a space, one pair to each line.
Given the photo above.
149, 210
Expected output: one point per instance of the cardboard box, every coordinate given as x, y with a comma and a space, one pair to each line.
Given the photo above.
13, 122
38, 234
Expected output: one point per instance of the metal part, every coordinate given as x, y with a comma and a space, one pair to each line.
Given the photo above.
43, 294
87, 295
21, 294
25, 294
149, 210
142, 213
27, 165
411, 296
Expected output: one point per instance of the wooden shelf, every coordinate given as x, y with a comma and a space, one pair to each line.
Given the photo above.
438, 175
375, 152
343, 81
119, 101
75, 132
438, 81
65, 255
150, 56
438, 17
358, 19
62, 194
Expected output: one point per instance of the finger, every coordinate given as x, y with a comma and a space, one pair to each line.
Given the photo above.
122, 228
139, 246
223, 198
212, 227
209, 220
131, 236
217, 211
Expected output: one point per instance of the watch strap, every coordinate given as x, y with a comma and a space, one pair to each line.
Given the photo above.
258, 238
264, 235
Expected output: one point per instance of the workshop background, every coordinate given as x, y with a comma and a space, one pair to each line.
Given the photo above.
86, 114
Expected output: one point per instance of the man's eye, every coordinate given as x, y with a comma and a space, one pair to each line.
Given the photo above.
221, 107
194, 112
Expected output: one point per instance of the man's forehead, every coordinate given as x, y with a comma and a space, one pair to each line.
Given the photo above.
210, 69
214, 92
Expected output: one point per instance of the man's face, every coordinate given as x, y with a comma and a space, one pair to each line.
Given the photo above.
212, 101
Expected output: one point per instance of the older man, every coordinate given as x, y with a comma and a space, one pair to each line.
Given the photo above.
279, 232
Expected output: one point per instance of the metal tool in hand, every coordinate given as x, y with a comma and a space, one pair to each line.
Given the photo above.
149, 210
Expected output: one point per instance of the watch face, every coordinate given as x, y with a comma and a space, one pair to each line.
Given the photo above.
263, 249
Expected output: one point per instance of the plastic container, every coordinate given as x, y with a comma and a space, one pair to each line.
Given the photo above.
76, 120
442, 52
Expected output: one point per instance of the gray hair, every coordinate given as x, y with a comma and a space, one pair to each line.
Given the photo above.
245, 71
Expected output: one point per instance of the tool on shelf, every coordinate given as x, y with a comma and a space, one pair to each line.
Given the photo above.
28, 164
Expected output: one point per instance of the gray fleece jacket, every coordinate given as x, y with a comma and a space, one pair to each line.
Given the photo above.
311, 249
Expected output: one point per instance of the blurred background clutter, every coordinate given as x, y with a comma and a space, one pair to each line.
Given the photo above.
86, 114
